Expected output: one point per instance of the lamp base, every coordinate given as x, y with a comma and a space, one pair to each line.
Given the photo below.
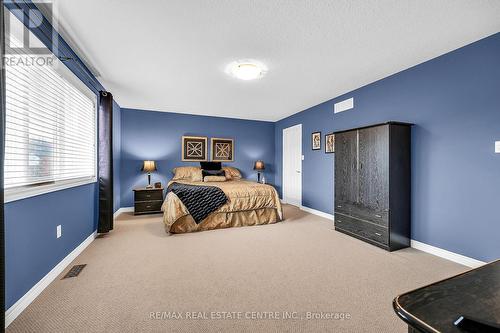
149, 186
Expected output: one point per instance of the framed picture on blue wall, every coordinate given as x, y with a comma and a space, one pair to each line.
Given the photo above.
330, 143
194, 148
316, 140
222, 150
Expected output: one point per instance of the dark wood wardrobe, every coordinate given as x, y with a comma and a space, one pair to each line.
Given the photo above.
373, 184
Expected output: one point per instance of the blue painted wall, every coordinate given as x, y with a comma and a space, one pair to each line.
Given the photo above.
31, 246
117, 138
454, 100
157, 136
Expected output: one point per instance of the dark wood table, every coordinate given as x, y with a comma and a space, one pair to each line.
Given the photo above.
434, 308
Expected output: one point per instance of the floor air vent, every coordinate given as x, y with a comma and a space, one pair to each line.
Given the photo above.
74, 271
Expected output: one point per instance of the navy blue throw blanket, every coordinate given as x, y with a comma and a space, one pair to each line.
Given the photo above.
199, 200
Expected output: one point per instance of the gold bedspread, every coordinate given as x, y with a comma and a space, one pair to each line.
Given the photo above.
249, 203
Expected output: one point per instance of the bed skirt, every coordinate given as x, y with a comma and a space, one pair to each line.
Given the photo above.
225, 220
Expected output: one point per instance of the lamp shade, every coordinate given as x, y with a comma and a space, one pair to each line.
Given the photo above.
149, 166
259, 165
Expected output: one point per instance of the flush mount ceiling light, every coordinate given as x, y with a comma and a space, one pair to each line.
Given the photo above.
246, 69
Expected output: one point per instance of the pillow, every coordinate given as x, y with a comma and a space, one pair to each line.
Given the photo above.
213, 173
214, 179
232, 173
211, 165
188, 173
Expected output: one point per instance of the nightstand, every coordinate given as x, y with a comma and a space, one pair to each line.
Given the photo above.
148, 200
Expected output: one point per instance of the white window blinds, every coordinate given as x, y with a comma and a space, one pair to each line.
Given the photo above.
50, 135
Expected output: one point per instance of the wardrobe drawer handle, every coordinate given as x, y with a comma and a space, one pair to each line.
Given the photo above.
148, 206
376, 215
339, 221
339, 206
378, 234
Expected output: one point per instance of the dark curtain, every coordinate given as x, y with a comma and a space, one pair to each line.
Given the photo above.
105, 125
2, 152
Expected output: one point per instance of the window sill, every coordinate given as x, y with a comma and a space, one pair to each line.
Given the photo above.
28, 192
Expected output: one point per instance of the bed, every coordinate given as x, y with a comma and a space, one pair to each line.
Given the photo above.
248, 203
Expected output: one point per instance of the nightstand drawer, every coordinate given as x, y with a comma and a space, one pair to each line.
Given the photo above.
148, 195
147, 206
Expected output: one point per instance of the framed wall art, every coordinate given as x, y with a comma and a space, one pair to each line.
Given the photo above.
316, 140
194, 148
330, 143
222, 150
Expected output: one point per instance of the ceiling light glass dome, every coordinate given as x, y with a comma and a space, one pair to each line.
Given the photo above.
246, 69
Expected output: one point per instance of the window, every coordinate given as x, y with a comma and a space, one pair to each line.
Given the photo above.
50, 135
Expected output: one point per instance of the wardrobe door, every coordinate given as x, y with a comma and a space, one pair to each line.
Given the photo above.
346, 177
374, 174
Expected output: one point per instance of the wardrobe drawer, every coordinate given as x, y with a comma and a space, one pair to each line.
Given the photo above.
343, 208
363, 229
363, 213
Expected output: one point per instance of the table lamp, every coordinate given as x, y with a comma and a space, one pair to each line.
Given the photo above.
259, 166
149, 166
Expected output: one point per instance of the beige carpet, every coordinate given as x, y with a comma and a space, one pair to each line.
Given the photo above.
300, 265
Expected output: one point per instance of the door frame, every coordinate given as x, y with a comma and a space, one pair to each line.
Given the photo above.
299, 126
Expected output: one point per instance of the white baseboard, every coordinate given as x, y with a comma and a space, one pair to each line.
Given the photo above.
317, 212
313, 211
122, 210
445, 254
455, 257
18, 307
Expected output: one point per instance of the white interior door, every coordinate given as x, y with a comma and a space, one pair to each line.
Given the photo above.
292, 165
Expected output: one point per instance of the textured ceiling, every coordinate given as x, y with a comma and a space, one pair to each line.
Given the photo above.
171, 55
